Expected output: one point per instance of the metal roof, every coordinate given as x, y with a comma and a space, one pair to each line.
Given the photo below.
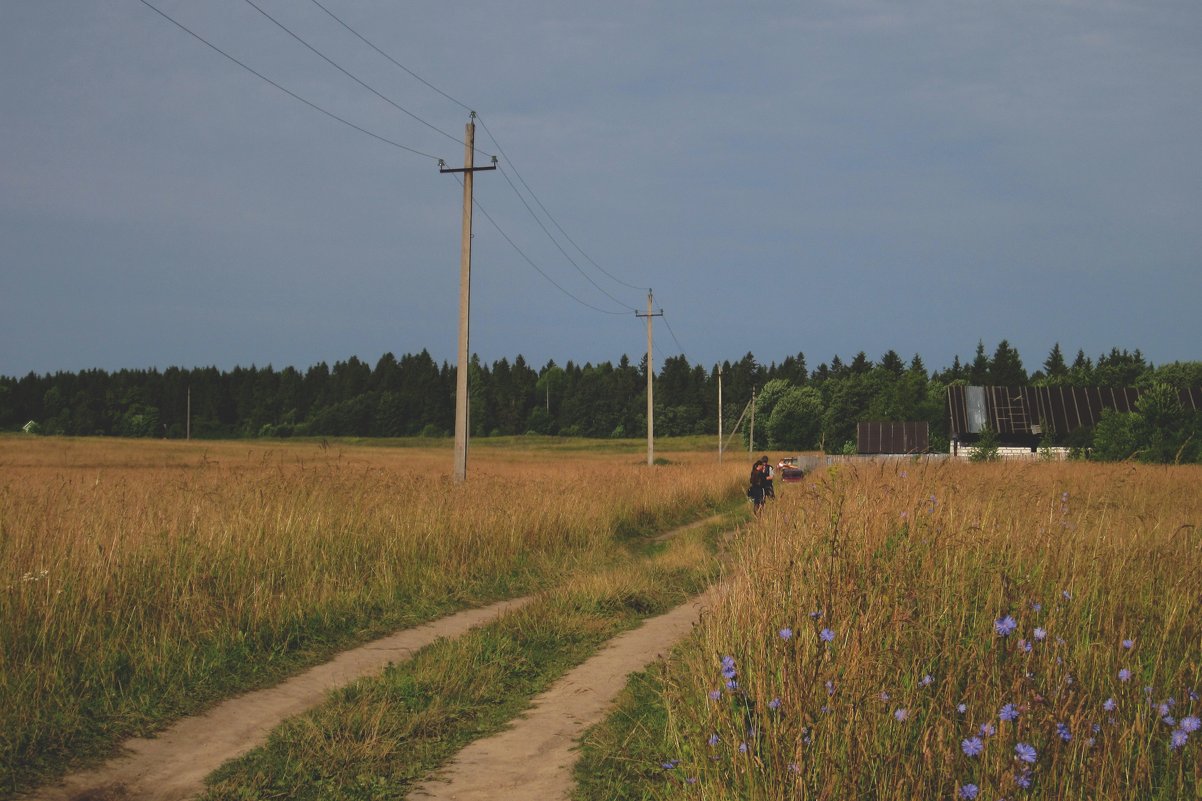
1023, 411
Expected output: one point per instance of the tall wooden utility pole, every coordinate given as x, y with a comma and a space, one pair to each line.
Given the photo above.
650, 373
751, 434
465, 294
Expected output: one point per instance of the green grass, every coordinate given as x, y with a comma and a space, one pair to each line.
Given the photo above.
373, 740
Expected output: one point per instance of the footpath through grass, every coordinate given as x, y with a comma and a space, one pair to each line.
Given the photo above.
899, 631
376, 738
144, 580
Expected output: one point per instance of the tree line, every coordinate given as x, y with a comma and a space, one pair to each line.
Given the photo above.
796, 407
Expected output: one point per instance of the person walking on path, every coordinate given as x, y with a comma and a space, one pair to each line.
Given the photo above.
759, 483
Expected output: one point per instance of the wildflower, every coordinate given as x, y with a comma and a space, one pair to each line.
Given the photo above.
1023, 779
1128, 644
1025, 752
1178, 738
972, 746
1025, 646
691, 780
830, 687
1066, 595
774, 704
1190, 724
968, 791
1008, 712
826, 635
1064, 497
1063, 731
817, 613
1005, 626
1041, 634
961, 708
670, 764
742, 748
786, 633
1168, 720
988, 730
1162, 710
1037, 606
732, 685
728, 667
1109, 705
714, 740
793, 768
884, 696
926, 680
715, 695
1124, 675
901, 714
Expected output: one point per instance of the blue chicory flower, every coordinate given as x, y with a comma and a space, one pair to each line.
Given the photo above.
968, 791
1026, 752
1008, 712
972, 746
1005, 626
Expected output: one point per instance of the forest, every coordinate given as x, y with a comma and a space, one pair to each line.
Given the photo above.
796, 407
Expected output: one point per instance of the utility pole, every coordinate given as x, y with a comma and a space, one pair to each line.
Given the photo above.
650, 373
719, 414
188, 418
465, 292
751, 434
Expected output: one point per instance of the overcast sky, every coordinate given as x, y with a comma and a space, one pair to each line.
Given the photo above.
825, 177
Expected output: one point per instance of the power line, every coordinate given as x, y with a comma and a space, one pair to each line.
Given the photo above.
501, 150
351, 75
556, 243
674, 339
413, 74
537, 269
544, 208
288, 92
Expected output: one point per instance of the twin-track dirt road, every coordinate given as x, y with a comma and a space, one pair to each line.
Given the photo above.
533, 758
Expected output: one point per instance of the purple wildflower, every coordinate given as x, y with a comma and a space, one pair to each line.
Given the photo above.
1109, 705
1023, 779
742, 748
1026, 752
926, 680
786, 633
670, 764
968, 791
826, 635
1190, 724
830, 687
1178, 738
1124, 675
1005, 626
961, 708
972, 746
715, 695
987, 730
1041, 633
1128, 644
901, 714
714, 740
1063, 731
774, 704
1008, 712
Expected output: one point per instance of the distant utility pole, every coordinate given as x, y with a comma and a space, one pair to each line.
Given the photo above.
719, 414
650, 373
465, 292
188, 418
751, 433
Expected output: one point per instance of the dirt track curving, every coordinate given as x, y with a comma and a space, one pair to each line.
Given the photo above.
173, 765
532, 759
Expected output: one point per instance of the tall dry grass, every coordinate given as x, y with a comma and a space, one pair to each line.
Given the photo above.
902, 630
139, 580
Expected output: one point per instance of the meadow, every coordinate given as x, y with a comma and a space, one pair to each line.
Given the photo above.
143, 580
901, 630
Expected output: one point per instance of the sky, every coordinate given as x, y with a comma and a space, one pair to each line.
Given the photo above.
814, 176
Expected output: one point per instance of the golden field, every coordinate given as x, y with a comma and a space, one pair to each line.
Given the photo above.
144, 579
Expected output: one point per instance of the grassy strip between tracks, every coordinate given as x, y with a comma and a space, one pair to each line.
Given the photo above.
377, 737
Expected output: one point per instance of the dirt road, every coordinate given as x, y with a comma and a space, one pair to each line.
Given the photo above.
534, 758
173, 765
